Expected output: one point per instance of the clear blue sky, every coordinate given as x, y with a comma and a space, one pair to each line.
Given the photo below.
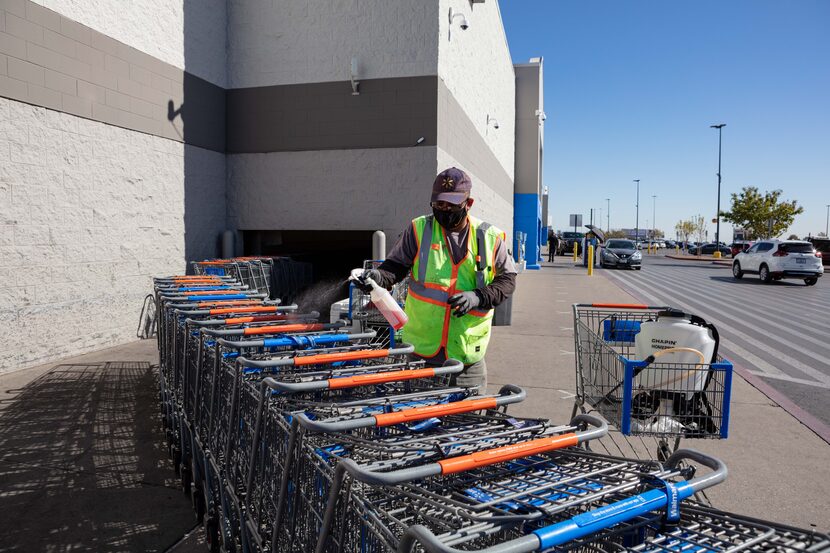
631, 89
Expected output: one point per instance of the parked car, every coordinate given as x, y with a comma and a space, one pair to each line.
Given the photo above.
709, 249
567, 240
777, 259
822, 245
739, 246
671, 243
618, 252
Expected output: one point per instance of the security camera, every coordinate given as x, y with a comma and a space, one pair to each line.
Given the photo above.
462, 20
496, 125
541, 115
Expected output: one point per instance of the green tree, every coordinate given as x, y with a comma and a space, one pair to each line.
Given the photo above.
616, 234
762, 214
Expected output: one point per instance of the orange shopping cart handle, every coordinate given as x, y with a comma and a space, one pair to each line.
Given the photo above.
506, 453
378, 378
421, 413
620, 305
252, 309
276, 329
344, 356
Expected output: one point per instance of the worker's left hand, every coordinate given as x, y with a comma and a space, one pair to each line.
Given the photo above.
463, 302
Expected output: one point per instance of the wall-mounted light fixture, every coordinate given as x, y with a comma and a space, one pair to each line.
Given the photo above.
353, 77
462, 22
491, 121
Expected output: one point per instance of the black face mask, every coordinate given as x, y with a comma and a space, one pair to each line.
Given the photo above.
449, 219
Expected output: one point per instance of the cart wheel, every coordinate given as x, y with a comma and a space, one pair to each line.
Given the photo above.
198, 500
187, 478
211, 527
177, 460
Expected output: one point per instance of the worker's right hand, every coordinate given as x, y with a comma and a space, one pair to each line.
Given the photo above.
362, 282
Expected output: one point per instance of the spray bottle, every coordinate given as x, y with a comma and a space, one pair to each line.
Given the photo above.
386, 304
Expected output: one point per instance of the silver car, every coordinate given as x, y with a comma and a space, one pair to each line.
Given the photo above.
777, 259
620, 253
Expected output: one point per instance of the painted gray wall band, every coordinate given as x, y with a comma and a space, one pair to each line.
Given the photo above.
51, 61
458, 137
388, 113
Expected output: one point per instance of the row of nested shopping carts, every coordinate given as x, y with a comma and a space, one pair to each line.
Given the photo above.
276, 277
294, 435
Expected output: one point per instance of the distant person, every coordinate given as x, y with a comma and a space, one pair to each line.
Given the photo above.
459, 270
553, 245
589, 240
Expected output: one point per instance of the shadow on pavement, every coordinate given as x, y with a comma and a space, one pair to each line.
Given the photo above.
82, 466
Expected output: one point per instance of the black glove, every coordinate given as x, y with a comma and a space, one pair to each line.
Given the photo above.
362, 282
463, 302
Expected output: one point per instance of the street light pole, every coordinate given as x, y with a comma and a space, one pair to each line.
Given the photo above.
608, 215
717, 227
827, 222
653, 217
637, 223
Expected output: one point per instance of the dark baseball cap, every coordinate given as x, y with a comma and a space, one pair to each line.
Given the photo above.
451, 185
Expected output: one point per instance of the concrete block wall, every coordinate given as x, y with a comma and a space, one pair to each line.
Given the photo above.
313, 41
98, 191
88, 213
188, 34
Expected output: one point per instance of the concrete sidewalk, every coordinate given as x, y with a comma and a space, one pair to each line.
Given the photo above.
83, 464
778, 468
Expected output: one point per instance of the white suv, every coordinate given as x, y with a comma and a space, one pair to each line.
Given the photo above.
777, 259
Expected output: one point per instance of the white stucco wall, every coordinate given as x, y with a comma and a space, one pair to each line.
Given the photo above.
309, 41
88, 214
475, 66
375, 189
189, 34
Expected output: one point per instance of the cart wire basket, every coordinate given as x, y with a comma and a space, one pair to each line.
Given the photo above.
644, 398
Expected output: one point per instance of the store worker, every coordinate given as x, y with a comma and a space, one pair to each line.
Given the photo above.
459, 270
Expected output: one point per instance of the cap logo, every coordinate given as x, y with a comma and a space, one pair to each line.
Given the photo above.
448, 183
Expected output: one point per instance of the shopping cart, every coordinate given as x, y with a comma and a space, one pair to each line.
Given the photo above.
645, 398
372, 402
546, 529
700, 529
338, 467
236, 403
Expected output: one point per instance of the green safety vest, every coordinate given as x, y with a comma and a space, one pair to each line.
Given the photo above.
434, 278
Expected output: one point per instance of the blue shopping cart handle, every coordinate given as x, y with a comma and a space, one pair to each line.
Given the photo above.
218, 297
605, 517
309, 341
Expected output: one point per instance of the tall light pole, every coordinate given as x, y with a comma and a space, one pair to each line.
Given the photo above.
717, 227
637, 223
827, 222
653, 217
608, 215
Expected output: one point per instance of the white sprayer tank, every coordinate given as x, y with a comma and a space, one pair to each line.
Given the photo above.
673, 338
